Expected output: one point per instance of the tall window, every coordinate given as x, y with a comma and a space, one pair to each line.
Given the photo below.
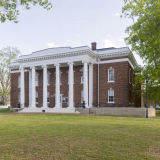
111, 75
111, 96
82, 77
36, 97
130, 76
60, 75
48, 78
47, 97
68, 77
19, 81
82, 96
36, 79
19, 97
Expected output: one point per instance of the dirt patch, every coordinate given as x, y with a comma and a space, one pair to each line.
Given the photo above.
154, 151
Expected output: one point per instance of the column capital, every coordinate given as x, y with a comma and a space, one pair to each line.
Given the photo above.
90, 63
32, 67
57, 64
21, 68
70, 63
44, 66
85, 61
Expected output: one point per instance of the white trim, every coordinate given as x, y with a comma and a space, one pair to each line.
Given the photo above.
117, 60
114, 60
18, 71
110, 81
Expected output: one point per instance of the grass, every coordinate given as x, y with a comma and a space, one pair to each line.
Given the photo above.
51, 136
4, 111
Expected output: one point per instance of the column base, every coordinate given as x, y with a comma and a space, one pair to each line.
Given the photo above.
71, 107
33, 107
56, 107
44, 107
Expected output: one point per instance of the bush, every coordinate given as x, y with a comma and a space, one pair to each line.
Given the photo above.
9, 107
1, 103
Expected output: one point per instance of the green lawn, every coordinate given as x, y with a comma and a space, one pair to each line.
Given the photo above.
4, 111
50, 136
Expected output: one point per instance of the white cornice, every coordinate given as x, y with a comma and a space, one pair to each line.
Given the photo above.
54, 56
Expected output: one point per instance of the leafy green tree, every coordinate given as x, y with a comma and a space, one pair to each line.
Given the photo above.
153, 84
9, 9
144, 38
7, 55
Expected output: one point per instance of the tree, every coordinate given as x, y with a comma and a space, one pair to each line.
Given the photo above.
144, 38
9, 8
7, 55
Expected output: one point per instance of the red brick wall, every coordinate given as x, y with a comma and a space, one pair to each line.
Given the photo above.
15, 90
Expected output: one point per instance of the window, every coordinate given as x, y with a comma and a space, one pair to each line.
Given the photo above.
36, 97
111, 96
129, 76
82, 96
111, 75
47, 97
48, 78
82, 77
68, 77
19, 82
36, 79
130, 96
60, 75
19, 97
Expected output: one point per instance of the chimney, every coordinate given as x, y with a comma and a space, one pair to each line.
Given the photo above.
94, 44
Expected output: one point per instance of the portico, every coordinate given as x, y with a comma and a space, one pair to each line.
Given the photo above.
79, 59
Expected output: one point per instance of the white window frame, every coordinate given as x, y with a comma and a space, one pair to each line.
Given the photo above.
19, 97
60, 76
82, 77
82, 96
36, 77
109, 75
110, 95
19, 81
48, 78
36, 97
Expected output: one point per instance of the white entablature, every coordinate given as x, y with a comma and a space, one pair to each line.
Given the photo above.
68, 54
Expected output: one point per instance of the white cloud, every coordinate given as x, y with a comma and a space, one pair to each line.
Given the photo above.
117, 14
51, 45
113, 43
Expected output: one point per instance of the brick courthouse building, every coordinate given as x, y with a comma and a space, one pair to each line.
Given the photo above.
59, 79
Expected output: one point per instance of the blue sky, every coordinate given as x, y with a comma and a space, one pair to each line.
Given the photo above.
68, 23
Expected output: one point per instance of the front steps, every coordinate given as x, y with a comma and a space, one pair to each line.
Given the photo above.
48, 110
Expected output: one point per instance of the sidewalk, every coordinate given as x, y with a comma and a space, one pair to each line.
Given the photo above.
4, 106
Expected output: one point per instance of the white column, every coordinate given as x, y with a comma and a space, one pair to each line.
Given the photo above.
70, 85
85, 83
90, 84
22, 88
33, 104
57, 97
30, 88
44, 86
